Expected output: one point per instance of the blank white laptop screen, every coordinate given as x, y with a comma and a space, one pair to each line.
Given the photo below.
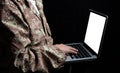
94, 31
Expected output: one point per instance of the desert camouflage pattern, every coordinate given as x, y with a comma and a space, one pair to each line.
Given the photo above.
32, 43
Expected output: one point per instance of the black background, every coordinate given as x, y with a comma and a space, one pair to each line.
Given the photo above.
68, 20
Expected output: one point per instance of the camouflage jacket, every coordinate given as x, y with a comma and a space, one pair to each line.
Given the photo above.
32, 43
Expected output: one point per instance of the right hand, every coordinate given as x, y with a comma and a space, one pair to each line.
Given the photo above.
66, 49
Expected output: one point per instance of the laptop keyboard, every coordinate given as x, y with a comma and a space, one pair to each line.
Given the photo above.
81, 52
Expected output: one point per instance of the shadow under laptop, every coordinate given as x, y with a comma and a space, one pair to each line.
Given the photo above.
80, 67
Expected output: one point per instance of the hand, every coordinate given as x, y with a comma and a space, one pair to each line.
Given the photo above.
66, 49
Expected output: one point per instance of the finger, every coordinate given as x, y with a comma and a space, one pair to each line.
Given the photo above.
74, 49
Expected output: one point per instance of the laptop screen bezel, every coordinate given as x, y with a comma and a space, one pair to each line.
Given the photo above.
102, 38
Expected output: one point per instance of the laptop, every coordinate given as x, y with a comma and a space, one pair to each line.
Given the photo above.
89, 49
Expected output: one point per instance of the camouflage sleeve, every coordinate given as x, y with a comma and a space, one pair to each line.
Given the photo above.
40, 56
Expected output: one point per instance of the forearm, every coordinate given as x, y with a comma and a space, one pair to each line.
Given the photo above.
39, 58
